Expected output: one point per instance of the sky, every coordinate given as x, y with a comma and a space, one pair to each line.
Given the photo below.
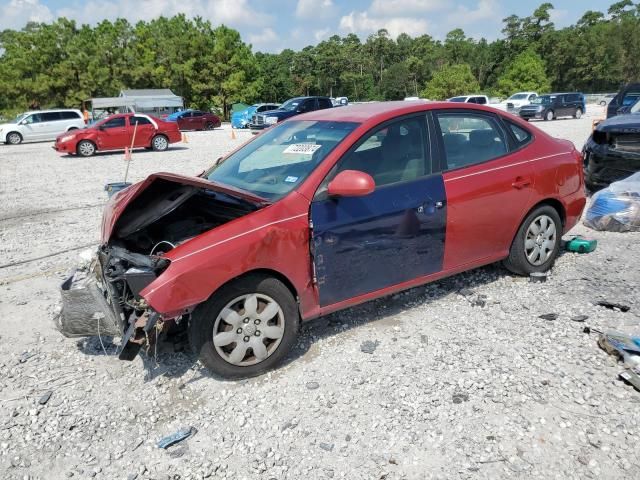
272, 25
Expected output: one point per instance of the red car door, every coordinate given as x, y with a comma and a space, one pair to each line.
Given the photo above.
143, 132
488, 184
197, 120
184, 121
114, 133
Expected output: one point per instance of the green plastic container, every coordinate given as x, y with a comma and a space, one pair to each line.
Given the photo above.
580, 244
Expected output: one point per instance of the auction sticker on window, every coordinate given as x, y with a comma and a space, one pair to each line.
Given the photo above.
303, 148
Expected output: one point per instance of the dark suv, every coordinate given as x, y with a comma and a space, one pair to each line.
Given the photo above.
624, 100
290, 108
554, 105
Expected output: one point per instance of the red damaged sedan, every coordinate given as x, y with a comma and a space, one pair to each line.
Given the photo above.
117, 132
320, 213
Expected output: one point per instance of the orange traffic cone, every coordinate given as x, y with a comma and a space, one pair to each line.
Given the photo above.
185, 139
233, 133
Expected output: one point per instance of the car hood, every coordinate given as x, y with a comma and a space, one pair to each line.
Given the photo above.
620, 123
117, 205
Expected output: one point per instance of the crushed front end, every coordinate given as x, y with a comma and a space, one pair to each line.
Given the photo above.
103, 298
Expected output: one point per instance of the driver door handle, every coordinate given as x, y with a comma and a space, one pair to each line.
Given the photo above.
519, 183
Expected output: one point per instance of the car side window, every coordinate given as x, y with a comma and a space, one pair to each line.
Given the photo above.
51, 117
532, 96
139, 120
118, 122
308, 105
480, 100
324, 103
522, 136
470, 138
391, 154
70, 115
35, 118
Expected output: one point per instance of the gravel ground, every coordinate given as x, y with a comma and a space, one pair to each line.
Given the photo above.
458, 379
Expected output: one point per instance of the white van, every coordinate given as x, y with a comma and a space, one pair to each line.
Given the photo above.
40, 125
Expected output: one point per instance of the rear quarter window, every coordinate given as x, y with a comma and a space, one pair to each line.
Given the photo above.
522, 136
70, 116
51, 116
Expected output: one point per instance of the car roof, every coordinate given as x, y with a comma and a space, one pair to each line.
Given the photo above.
52, 110
380, 111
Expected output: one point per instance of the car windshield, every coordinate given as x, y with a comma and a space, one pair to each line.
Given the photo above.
458, 99
18, 118
542, 100
290, 105
279, 160
518, 96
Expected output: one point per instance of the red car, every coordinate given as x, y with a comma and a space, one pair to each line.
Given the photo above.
116, 133
319, 213
195, 120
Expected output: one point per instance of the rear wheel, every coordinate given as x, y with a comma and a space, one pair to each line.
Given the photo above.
549, 115
14, 138
578, 113
85, 148
537, 243
159, 143
246, 328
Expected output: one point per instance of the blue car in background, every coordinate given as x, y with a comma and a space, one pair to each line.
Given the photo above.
242, 119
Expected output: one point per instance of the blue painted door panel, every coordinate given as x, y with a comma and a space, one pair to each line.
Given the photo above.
363, 244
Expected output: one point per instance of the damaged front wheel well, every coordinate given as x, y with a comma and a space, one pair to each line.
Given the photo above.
266, 272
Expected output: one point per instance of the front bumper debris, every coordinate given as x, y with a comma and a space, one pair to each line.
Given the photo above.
85, 309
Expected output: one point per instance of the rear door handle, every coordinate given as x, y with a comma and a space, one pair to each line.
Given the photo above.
519, 183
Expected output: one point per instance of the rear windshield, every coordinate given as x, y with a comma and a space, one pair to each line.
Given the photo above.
279, 160
458, 99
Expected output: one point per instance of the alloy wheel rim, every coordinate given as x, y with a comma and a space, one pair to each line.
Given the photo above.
248, 330
540, 240
160, 143
86, 148
14, 138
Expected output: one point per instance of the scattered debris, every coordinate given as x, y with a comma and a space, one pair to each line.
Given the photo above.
25, 356
313, 385
617, 207
538, 277
627, 349
179, 436
369, 346
580, 244
613, 306
579, 318
45, 398
460, 397
549, 316
479, 301
327, 446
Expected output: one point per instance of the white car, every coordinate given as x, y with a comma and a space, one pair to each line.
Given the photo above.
515, 102
40, 125
479, 99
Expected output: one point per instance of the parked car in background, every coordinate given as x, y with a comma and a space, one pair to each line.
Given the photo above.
554, 105
606, 99
290, 108
40, 125
319, 213
340, 101
624, 100
242, 118
515, 102
116, 132
612, 152
194, 120
479, 99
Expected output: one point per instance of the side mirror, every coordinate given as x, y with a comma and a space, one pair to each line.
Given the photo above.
351, 183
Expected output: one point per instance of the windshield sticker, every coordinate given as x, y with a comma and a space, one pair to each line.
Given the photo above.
291, 179
303, 148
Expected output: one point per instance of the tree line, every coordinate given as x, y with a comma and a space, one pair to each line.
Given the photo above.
63, 64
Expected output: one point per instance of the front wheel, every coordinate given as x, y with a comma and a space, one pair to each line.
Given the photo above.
549, 116
85, 148
537, 243
159, 143
246, 328
578, 113
14, 138
209, 126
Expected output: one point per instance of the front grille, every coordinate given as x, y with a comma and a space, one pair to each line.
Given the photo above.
258, 120
509, 106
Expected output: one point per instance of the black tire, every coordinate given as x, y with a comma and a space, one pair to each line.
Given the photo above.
517, 261
160, 143
549, 116
603, 103
203, 321
13, 138
85, 148
209, 126
578, 113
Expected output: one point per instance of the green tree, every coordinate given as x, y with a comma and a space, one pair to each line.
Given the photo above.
450, 81
526, 73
